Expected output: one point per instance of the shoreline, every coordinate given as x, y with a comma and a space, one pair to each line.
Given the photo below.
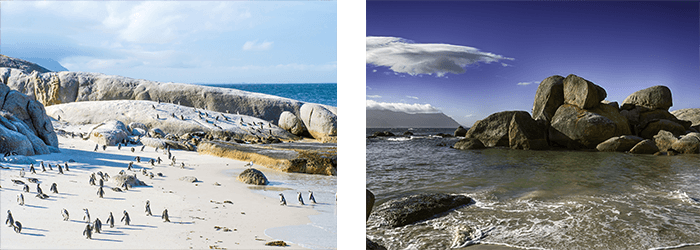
194, 208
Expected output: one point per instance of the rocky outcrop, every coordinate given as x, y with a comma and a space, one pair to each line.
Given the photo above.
64, 87
459, 132
190, 179
411, 209
291, 123
619, 144
130, 180
646, 146
25, 119
23, 65
492, 131
549, 96
576, 128
109, 133
691, 115
653, 128
373, 245
656, 97
469, 143
526, 133
319, 121
582, 93
664, 139
688, 144
252, 176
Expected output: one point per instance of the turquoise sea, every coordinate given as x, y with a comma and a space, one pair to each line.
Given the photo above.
323, 93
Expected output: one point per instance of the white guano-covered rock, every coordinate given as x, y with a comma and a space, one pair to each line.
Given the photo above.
319, 121
291, 123
109, 133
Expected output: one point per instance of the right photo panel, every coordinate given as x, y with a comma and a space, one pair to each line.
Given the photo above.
533, 125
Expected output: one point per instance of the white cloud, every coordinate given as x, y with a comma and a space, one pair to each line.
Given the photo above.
412, 97
374, 70
402, 107
290, 66
404, 56
374, 96
253, 45
525, 83
469, 115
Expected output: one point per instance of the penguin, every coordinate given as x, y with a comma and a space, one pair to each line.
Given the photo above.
9, 221
18, 227
31, 168
249, 164
86, 217
105, 177
301, 200
98, 225
104, 147
65, 214
25, 188
88, 231
21, 172
143, 171
150, 175
92, 180
311, 197
50, 168
174, 159
54, 188
116, 189
20, 199
157, 117
138, 159
130, 164
153, 163
283, 202
102, 183
42, 196
67, 166
119, 146
165, 216
43, 169
33, 180
182, 165
182, 117
38, 189
132, 149
144, 146
100, 192
60, 169
122, 172
126, 218
148, 208
159, 160
125, 186
96, 147
110, 220
18, 182
170, 156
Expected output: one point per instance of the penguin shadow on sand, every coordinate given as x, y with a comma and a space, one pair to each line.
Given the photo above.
24, 229
34, 206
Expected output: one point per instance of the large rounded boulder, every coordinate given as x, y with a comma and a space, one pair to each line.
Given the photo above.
492, 131
576, 128
619, 144
319, 121
290, 122
460, 131
109, 133
526, 133
253, 176
656, 97
469, 143
582, 93
549, 96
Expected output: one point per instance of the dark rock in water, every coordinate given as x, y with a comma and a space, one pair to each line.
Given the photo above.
582, 93
492, 131
443, 135
688, 144
526, 133
549, 96
369, 201
408, 133
656, 97
408, 210
654, 128
374, 246
253, 176
277, 243
576, 128
664, 140
383, 133
619, 144
461, 131
645, 147
469, 143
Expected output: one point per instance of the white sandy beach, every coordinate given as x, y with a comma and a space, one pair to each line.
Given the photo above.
194, 208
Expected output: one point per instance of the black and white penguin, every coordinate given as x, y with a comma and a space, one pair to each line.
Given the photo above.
31, 168
25, 188
104, 147
100, 192
148, 208
126, 218
110, 220
283, 202
132, 149
165, 216
119, 146
60, 169
38, 189
311, 197
86, 217
98, 225
20, 199
54, 188
143, 147
9, 221
18, 227
43, 169
130, 164
301, 200
96, 147
88, 231
67, 166
21, 172
138, 159
50, 168
42, 196
65, 214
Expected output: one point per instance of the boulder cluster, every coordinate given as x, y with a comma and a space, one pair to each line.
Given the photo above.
25, 128
315, 120
571, 112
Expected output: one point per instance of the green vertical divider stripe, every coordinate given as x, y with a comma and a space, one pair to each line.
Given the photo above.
351, 124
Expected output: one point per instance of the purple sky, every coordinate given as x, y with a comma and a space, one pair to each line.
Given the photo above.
471, 59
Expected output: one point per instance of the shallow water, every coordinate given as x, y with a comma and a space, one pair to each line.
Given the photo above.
321, 233
538, 199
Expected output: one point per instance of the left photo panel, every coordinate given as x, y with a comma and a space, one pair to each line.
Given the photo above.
169, 125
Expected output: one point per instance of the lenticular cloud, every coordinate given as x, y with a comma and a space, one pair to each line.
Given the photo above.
404, 56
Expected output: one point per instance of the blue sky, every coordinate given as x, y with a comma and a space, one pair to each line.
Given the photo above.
471, 59
187, 41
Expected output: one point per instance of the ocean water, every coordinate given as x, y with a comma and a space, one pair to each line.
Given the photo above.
537, 199
323, 93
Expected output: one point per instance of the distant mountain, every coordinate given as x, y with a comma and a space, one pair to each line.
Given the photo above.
26, 66
47, 63
393, 119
